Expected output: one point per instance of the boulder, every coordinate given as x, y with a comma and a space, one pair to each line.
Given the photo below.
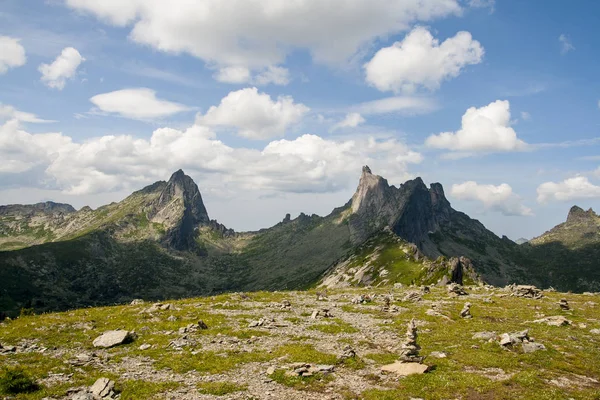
114, 338
103, 388
484, 335
555, 320
404, 369
531, 347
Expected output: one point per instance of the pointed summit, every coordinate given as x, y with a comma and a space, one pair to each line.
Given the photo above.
371, 189
181, 208
577, 214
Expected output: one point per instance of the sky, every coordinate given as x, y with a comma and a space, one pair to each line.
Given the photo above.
273, 107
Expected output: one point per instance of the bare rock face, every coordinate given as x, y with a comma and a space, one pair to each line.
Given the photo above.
180, 208
411, 210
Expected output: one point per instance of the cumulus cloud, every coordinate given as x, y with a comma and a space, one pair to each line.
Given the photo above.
136, 103
260, 33
485, 129
397, 104
565, 44
12, 54
239, 75
21, 151
351, 120
64, 67
255, 115
308, 163
575, 188
8, 112
494, 198
419, 60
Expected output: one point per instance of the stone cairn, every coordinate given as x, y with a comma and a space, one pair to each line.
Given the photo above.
455, 289
466, 311
409, 348
564, 305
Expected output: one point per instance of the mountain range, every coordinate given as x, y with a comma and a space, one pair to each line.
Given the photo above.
160, 243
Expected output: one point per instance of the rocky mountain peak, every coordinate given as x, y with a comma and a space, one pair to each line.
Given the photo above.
371, 189
577, 214
180, 207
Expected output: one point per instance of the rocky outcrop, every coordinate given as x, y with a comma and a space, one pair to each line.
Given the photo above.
180, 208
48, 207
577, 214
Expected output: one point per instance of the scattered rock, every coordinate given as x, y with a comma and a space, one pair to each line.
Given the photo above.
172, 318
438, 354
595, 331
286, 304
412, 297
103, 388
405, 368
454, 289
270, 370
114, 338
160, 307
145, 346
528, 291
362, 299
564, 305
425, 289
555, 320
485, 336
466, 311
136, 302
531, 347
324, 312
347, 353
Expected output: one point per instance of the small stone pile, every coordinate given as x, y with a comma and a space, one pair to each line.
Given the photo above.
425, 289
362, 299
526, 291
324, 312
564, 305
454, 289
410, 349
285, 304
412, 296
201, 325
305, 370
527, 343
466, 311
261, 322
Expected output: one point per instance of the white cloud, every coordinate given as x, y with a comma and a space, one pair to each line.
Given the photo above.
495, 198
485, 129
12, 54
273, 74
260, 33
575, 188
21, 151
8, 112
239, 74
233, 74
397, 104
254, 114
351, 120
525, 116
419, 60
308, 163
62, 68
565, 44
491, 4
137, 103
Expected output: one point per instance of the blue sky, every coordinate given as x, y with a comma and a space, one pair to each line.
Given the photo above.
273, 107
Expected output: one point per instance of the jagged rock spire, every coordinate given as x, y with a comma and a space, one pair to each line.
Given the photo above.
578, 214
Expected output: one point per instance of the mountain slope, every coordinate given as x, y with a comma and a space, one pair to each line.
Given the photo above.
567, 257
160, 242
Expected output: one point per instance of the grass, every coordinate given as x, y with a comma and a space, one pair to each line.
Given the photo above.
220, 388
14, 380
141, 389
314, 383
336, 326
